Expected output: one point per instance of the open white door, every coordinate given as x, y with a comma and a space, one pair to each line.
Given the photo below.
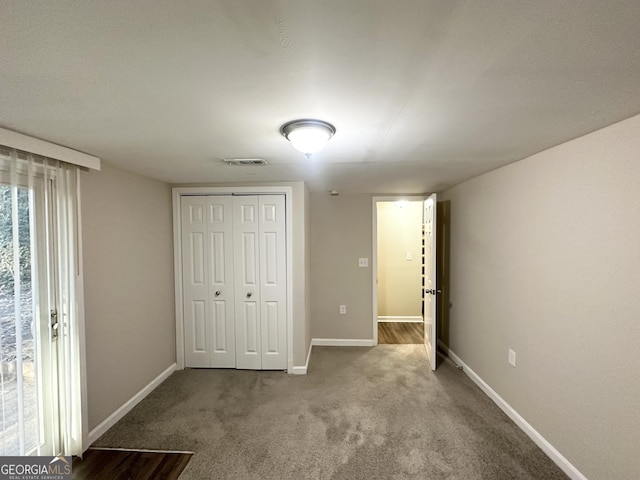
430, 288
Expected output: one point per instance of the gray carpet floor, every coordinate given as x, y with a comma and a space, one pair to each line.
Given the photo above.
360, 413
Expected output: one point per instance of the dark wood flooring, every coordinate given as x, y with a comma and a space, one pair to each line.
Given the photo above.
400, 332
107, 464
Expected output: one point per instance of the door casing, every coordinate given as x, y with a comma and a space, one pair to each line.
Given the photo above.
178, 193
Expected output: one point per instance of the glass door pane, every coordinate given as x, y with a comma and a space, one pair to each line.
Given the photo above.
22, 404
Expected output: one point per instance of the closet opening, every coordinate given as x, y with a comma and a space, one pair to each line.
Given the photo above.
233, 277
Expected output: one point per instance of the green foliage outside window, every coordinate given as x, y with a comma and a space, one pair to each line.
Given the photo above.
6, 240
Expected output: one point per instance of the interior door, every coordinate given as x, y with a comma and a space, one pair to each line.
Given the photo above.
247, 278
430, 288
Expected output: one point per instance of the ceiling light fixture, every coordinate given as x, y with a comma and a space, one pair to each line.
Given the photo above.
308, 136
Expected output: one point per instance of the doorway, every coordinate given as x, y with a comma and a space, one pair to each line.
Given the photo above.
404, 289
399, 269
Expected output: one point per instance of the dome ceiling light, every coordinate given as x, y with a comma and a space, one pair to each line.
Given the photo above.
308, 136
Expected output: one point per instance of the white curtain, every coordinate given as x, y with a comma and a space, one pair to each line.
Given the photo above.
44, 386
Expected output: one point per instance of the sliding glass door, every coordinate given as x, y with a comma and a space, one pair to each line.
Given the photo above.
28, 345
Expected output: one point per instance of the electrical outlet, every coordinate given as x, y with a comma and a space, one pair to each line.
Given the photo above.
512, 358
363, 262
343, 309
409, 256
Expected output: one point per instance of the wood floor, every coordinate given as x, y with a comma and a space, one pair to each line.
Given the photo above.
109, 464
400, 332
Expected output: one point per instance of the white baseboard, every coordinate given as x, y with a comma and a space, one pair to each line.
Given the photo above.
408, 319
128, 406
303, 370
343, 342
564, 464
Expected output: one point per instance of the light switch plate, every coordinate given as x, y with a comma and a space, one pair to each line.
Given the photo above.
363, 262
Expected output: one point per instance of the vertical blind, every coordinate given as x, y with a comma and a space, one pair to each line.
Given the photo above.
40, 378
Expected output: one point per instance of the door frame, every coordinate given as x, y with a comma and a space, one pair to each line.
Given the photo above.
374, 255
177, 194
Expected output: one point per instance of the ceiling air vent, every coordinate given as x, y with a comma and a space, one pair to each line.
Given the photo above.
246, 162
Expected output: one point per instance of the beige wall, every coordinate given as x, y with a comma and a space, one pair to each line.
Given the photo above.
399, 280
545, 259
340, 234
301, 300
128, 283
307, 269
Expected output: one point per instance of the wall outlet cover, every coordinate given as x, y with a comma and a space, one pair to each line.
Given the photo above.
363, 262
343, 309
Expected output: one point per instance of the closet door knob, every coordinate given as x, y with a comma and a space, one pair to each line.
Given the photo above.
218, 293
249, 295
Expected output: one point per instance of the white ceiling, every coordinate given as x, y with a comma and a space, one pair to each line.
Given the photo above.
424, 94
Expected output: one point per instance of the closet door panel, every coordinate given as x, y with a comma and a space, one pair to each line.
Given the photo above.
195, 282
251, 328
273, 275
247, 288
221, 283
271, 329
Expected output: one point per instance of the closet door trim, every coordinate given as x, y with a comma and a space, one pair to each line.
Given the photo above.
178, 193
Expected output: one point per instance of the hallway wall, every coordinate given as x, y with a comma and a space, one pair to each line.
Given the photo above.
128, 285
341, 232
545, 257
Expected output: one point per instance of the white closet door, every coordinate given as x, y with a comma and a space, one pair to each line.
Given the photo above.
207, 282
222, 348
195, 287
234, 281
273, 275
247, 287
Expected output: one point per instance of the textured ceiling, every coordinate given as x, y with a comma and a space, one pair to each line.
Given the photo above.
424, 94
